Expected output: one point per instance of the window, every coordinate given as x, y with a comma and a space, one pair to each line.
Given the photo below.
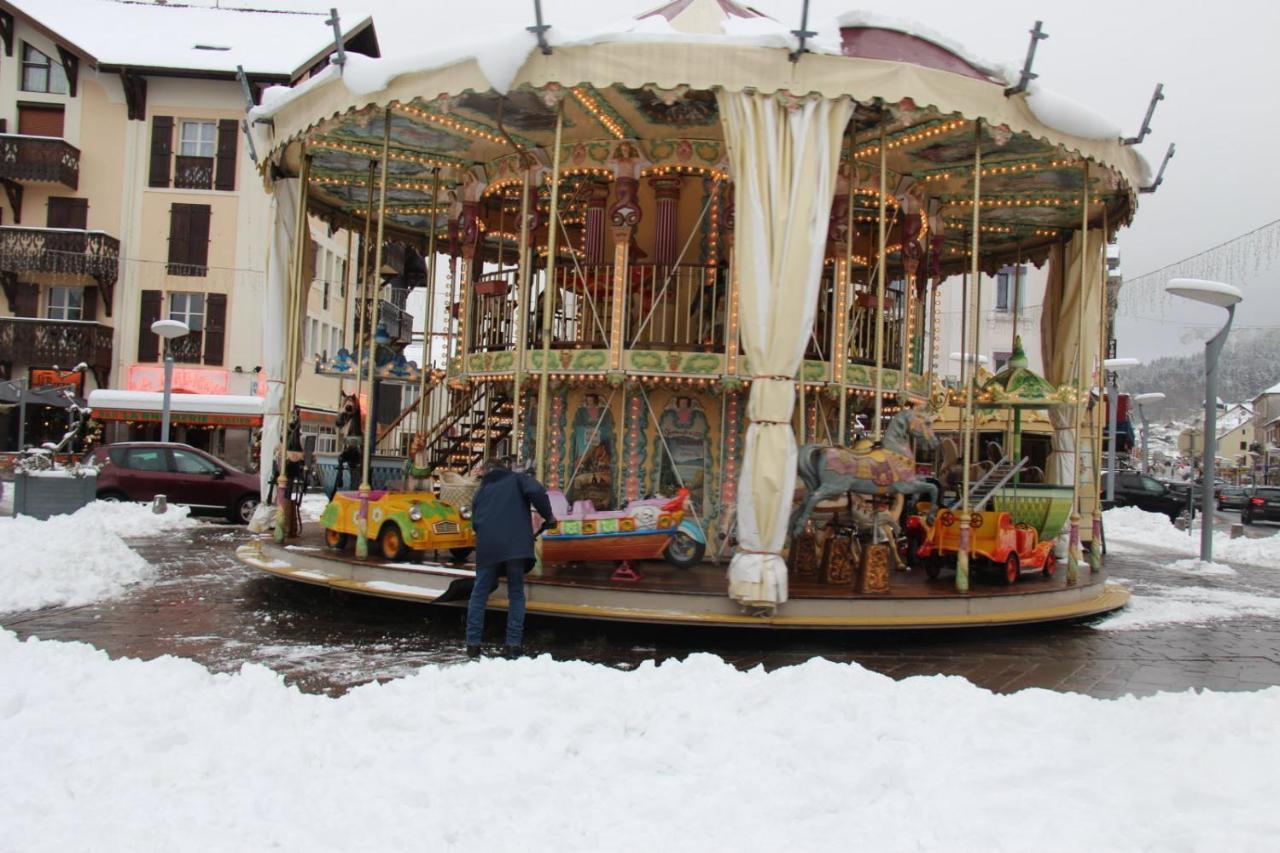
189, 308
1000, 360
186, 462
1003, 280
66, 303
189, 239
198, 139
68, 213
42, 74
146, 459
1244, 445
315, 336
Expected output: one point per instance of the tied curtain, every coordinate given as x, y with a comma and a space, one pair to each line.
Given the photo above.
1060, 342
274, 308
783, 154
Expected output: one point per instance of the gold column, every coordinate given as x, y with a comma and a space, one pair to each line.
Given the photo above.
880, 275
370, 421
522, 316
1095, 542
428, 326
844, 290
549, 302
618, 303
966, 424
293, 307
363, 299
1073, 555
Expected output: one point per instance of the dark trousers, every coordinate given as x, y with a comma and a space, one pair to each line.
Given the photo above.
486, 583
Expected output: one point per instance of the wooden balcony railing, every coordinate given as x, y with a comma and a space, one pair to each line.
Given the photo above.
61, 343
39, 159
62, 250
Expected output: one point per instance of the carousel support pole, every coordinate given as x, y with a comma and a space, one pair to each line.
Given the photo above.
428, 326
971, 318
284, 517
549, 303
522, 317
1095, 544
844, 293
1073, 552
876, 427
363, 299
370, 421
346, 303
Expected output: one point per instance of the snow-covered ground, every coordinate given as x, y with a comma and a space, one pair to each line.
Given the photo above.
692, 755
79, 558
1130, 530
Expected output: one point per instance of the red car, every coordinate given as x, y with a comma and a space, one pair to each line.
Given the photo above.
140, 470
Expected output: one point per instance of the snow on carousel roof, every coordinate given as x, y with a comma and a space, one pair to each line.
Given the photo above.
186, 37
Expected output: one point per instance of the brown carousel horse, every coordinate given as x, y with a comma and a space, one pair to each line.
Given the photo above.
350, 425
889, 469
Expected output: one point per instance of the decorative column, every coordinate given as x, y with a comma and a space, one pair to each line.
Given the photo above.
731, 342
549, 298
593, 247
624, 215
881, 260
472, 189
912, 227
1073, 548
667, 192
966, 420
522, 316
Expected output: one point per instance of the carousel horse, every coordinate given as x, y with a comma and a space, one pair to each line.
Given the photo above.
887, 469
350, 425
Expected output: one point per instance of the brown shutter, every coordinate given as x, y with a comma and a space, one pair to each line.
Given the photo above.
26, 300
68, 213
215, 324
148, 343
89, 309
225, 166
198, 237
179, 238
161, 150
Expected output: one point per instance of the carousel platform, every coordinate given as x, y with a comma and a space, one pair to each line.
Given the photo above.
697, 596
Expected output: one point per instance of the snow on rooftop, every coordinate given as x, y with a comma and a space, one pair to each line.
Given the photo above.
192, 37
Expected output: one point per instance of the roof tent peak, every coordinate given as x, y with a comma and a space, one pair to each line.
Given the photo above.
700, 16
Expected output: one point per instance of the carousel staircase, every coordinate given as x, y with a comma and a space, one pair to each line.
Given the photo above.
1001, 473
478, 418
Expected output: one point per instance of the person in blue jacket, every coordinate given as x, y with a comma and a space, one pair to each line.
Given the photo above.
504, 546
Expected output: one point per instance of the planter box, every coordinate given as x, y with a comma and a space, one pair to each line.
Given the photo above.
44, 494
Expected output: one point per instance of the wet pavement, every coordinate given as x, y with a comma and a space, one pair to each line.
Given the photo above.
208, 607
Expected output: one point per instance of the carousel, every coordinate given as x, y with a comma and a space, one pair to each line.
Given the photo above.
679, 265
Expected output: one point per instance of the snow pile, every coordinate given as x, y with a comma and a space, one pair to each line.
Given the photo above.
74, 559
1153, 606
1062, 113
1130, 530
693, 755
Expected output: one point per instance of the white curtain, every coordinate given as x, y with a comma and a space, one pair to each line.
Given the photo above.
783, 153
284, 212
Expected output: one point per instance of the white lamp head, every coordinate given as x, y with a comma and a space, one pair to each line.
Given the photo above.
1210, 292
170, 329
1149, 397
1117, 363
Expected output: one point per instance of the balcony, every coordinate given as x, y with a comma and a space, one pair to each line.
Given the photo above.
193, 173
61, 250
39, 159
60, 343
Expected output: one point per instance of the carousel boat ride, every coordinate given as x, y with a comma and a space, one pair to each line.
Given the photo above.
673, 255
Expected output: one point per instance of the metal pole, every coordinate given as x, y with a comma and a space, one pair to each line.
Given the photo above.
1073, 548
548, 303
1112, 405
284, 522
966, 426
522, 319
842, 310
168, 392
1143, 414
362, 301
1212, 350
22, 415
880, 272
428, 326
370, 421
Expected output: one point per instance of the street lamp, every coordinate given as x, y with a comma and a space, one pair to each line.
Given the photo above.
1149, 397
1224, 296
169, 330
1111, 365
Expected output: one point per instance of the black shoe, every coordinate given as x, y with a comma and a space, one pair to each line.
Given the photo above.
512, 652
473, 652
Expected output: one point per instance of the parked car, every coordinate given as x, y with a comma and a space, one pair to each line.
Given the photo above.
1231, 497
1263, 504
140, 470
1146, 493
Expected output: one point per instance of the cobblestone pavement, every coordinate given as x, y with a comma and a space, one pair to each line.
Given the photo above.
208, 607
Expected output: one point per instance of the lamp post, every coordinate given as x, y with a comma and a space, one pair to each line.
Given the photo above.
1224, 296
169, 330
1111, 365
1149, 397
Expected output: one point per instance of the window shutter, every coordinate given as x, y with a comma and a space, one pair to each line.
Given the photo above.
68, 213
198, 239
225, 167
89, 309
215, 323
161, 150
179, 238
148, 343
26, 300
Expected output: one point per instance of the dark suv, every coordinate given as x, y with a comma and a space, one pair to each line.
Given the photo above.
141, 470
1146, 493
1261, 504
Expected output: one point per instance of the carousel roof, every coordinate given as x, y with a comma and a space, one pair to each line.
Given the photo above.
643, 92
1017, 387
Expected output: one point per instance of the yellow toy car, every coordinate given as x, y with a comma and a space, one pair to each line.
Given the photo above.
401, 523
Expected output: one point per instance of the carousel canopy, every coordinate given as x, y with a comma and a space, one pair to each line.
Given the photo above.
1017, 387
639, 99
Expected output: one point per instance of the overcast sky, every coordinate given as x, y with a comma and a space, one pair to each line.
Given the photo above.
1218, 62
